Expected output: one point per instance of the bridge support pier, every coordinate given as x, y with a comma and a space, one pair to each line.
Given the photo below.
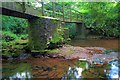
80, 30
40, 31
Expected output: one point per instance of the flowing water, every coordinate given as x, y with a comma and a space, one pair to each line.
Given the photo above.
62, 69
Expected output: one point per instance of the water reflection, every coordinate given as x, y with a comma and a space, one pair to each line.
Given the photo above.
21, 76
114, 71
83, 70
75, 72
21, 71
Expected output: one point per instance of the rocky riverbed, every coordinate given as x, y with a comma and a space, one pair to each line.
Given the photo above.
94, 55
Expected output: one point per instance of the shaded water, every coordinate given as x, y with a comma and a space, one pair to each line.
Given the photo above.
108, 44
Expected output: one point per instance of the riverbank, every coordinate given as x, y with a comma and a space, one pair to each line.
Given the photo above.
94, 55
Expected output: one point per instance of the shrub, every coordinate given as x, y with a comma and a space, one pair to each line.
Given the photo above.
9, 36
72, 29
14, 24
24, 36
59, 37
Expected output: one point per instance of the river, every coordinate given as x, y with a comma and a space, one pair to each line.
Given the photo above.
105, 43
63, 69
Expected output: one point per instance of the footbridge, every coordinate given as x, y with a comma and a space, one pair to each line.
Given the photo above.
43, 18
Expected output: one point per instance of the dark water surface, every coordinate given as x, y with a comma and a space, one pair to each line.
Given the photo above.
108, 44
62, 69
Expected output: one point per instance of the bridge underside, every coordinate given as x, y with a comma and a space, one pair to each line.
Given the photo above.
13, 13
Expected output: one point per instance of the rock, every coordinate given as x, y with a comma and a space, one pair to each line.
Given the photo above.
95, 49
98, 48
4, 57
77, 58
83, 59
98, 65
24, 56
10, 58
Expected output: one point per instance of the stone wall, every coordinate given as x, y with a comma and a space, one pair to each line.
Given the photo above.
40, 31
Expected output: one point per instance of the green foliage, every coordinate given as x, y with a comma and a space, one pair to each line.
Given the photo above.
15, 68
14, 33
47, 51
72, 29
58, 38
102, 17
8, 39
82, 64
23, 36
16, 25
8, 36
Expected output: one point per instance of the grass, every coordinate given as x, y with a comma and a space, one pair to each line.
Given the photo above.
69, 52
47, 51
82, 64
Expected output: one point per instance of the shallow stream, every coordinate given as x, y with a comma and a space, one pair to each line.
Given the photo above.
63, 69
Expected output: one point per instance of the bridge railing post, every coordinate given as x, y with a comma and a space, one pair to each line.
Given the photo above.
59, 14
53, 6
23, 6
28, 2
63, 11
77, 17
70, 14
42, 2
